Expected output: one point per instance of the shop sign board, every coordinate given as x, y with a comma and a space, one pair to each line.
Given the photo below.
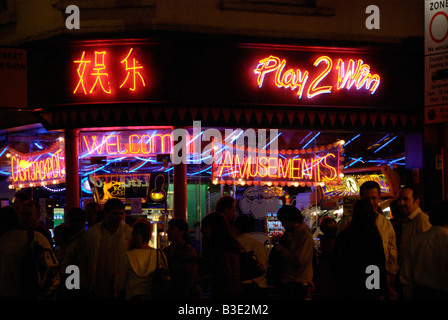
160, 71
436, 61
348, 202
150, 188
13, 78
353, 180
307, 83
436, 114
45, 167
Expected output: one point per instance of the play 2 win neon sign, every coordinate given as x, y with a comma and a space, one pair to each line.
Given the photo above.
350, 75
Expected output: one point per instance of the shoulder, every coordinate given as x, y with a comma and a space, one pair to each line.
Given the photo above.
126, 228
42, 240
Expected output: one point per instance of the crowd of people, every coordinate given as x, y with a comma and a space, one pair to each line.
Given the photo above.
363, 256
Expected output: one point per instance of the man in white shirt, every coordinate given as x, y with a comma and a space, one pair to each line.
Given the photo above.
424, 271
101, 248
415, 220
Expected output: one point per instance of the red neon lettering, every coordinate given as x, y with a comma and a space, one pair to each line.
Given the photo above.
357, 73
227, 162
272, 166
81, 69
99, 68
290, 79
134, 72
95, 146
245, 171
312, 90
265, 66
305, 169
360, 76
332, 169
33, 171
148, 144
132, 143
284, 170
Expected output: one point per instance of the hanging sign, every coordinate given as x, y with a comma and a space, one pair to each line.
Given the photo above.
304, 167
38, 168
331, 75
150, 188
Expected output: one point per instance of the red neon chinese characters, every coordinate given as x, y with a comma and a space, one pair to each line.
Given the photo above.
134, 71
357, 73
100, 66
99, 71
81, 70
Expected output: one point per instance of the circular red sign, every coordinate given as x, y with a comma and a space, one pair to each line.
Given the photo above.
430, 27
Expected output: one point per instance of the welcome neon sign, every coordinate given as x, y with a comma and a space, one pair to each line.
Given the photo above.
38, 168
351, 74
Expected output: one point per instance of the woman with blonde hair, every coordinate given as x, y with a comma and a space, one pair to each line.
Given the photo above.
138, 264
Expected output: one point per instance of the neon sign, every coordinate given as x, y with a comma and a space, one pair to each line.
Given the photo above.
126, 143
38, 168
354, 74
286, 169
94, 73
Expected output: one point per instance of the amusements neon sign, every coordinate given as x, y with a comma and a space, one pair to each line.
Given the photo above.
354, 74
286, 169
39, 168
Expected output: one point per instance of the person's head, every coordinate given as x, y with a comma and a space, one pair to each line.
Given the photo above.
91, 209
113, 212
438, 215
371, 190
217, 234
30, 214
76, 219
18, 200
62, 235
328, 226
178, 230
141, 234
364, 215
395, 210
243, 224
227, 206
9, 218
289, 215
408, 200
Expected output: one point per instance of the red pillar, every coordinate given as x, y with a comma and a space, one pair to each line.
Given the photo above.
71, 169
180, 191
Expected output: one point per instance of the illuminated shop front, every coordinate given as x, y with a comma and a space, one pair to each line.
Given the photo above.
117, 102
